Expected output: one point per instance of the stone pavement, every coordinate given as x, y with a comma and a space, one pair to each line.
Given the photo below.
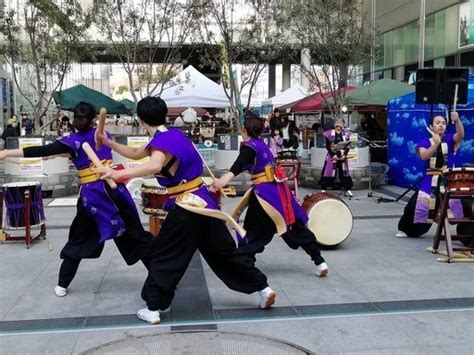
383, 295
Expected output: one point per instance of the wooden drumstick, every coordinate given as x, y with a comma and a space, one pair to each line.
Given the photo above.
100, 127
208, 169
95, 159
455, 97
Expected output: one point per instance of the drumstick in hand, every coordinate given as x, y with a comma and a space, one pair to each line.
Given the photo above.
100, 127
455, 98
95, 159
208, 169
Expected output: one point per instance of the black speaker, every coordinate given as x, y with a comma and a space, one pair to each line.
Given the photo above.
428, 86
450, 78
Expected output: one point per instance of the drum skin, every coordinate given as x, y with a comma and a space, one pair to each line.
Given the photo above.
459, 179
329, 218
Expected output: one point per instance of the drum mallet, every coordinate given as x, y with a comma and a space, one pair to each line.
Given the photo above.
207, 167
100, 127
455, 97
95, 159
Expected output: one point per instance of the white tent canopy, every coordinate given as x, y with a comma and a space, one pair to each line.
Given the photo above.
190, 88
292, 94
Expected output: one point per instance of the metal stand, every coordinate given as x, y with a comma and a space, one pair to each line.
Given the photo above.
370, 193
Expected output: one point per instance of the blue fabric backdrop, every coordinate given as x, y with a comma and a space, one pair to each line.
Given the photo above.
406, 127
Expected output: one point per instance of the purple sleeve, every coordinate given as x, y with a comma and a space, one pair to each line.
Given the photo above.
449, 138
425, 143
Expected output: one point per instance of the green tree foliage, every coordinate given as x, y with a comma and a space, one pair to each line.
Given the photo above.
40, 42
141, 33
246, 35
338, 36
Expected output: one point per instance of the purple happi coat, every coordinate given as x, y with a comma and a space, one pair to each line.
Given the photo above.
268, 191
430, 186
94, 195
174, 142
329, 168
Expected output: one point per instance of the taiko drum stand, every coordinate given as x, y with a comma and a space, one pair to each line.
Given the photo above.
28, 238
443, 230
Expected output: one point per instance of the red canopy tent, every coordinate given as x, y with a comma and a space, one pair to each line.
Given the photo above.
316, 101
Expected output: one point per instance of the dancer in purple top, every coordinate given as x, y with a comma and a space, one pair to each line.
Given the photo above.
102, 213
192, 222
438, 153
336, 163
271, 205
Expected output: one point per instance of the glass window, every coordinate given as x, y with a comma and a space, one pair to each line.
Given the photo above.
451, 30
398, 46
411, 39
430, 36
440, 30
388, 50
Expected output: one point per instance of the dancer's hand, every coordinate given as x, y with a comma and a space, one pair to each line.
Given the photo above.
106, 171
436, 137
216, 185
454, 116
103, 138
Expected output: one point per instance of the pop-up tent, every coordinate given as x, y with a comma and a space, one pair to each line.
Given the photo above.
407, 123
316, 101
292, 94
190, 88
377, 93
69, 98
130, 105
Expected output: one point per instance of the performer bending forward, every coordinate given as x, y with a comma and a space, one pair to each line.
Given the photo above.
438, 152
102, 213
336, 162
271, 205
189, 225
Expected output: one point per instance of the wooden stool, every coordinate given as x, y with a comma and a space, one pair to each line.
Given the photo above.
443, 230
294, 171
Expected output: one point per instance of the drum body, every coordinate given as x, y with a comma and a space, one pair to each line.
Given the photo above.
15, 203
154, 198
287, 155
459, 179
329, 218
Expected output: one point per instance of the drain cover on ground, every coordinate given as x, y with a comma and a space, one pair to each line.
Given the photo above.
202, 342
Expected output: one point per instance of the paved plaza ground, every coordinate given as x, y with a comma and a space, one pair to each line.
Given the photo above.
383, 295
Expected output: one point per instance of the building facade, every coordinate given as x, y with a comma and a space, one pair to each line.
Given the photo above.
448, 39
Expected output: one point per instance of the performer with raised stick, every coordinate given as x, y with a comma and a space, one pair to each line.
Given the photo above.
271, 206
438, 153
193, 222
104, 210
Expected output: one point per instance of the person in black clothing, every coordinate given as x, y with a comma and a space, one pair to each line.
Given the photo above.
102, 212
27, 124
336, 163
289, 133
12, 129
271, 206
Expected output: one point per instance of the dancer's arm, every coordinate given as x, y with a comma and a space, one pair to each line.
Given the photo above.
459, 135
135, 153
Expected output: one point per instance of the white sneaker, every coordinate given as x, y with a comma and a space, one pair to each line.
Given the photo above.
267, 298
401, 234
60, 291
349, 193
151, 317
322, 269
